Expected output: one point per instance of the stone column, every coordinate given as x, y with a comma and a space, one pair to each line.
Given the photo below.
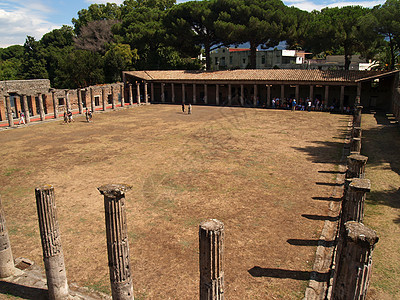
268, 95
297, 93
117, 240
356, 166
103, 98
357, 116
353, 202
173, 93
255, 96
112, 97
354, 262
26, 108
41, 108
242, 95
146, 98
355, 145
341, 97
205, 94
138, 93
130, 94
358, 97
51, 243
217, 94
183, 93
282, 93
80, 106
326, 97
6, 258
162, 93
311, 93
211, 259
152, 92
92, 100
229, 94
194, 93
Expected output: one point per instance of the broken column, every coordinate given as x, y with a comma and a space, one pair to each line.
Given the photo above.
353, 203
354, 262
211, 260
117, 240
355, 145
6, 258
9, 111
51, 243
357, 116
356, 166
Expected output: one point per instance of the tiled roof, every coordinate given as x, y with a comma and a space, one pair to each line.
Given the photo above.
256, 75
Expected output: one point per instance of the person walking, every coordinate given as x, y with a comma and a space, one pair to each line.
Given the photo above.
183, 107
21, 118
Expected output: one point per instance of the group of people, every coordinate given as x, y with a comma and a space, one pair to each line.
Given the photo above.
307, 105
88, 115
68, 117
189, 110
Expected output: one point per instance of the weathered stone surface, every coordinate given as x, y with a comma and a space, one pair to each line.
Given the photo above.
6, 258
211, 260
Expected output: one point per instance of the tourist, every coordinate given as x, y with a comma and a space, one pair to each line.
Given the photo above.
65, 118
190, 109
70, 119
293, 104
21, 118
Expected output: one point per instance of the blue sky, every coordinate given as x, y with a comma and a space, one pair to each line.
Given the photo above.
19, 18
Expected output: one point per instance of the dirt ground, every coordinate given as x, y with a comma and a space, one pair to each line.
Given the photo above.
267, 174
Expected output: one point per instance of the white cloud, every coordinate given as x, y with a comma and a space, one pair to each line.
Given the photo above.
19, 19
318, 5
103, 1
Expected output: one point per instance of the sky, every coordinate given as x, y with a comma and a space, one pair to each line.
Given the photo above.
20, 18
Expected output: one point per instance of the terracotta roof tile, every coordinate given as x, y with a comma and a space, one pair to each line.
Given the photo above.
255, 75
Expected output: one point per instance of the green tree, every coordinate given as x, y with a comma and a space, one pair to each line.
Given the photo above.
258, 22
11, 62
337, 30
191, 26
118, 58
388, 25
34, 63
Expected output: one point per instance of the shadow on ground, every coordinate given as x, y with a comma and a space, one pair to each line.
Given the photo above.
22, 291
292, 274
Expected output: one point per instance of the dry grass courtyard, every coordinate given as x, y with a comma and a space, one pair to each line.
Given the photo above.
267, 174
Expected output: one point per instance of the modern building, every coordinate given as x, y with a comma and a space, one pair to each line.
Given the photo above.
239, 58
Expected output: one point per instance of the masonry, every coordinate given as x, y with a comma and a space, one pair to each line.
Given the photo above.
29, 96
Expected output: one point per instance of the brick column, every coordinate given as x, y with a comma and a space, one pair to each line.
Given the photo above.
194, 94
268, 95
173, 92
146, 98
121, 92
354, 262
152, 92
112, 97
9, 111
6, 258
353, 202
205, 94
326, 96
297, 93
211, 260
67, 104
356, 166
26, 108
55, 106
117, 240
103, 98
51, 243
311, 93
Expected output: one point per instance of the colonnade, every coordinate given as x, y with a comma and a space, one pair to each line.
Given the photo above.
259, 92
